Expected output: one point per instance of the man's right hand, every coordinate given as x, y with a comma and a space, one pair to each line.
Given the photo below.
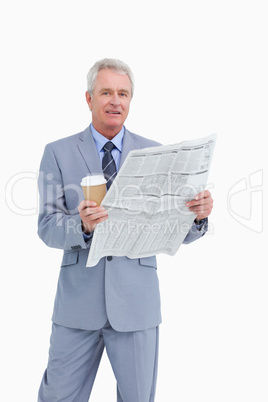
91, 215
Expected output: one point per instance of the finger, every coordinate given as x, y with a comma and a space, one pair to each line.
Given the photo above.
100, 215
202, 211
95, 217
203, 194
89, 225
200, 199
194, 203
100, 220
89, 203
85, 204
204, 203
92, 211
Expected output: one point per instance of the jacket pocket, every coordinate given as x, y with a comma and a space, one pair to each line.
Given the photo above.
148, 262
69, 258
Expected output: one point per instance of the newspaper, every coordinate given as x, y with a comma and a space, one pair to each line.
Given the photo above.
146, 202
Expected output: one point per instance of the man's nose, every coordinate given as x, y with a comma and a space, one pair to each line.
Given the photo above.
115, 100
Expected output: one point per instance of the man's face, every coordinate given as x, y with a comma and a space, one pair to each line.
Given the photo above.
110, 102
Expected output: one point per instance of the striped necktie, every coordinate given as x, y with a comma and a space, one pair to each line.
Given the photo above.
108, 164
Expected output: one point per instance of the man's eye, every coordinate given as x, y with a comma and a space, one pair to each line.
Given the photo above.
123, 94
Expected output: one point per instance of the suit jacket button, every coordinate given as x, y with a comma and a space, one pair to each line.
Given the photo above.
76, 247
109, 258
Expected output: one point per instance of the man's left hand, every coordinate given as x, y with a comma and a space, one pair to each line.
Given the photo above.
201, 205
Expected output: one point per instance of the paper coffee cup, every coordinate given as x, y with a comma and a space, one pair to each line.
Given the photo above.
94, 188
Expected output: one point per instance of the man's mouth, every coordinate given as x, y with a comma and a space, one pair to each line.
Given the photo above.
112, 112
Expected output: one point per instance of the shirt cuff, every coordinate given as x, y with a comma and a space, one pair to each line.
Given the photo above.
202, 224
87, 237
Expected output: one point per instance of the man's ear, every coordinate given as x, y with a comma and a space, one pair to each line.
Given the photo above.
89, 100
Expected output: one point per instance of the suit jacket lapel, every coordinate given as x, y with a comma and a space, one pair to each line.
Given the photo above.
129, 143
89, 152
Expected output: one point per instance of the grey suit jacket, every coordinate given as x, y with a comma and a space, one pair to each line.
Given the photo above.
124, 291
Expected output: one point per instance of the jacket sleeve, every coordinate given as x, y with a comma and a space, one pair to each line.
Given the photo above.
196, 232
57, 227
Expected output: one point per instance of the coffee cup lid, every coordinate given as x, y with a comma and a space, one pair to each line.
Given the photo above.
93, 180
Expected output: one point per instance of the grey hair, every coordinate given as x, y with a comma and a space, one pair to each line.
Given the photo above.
113, 64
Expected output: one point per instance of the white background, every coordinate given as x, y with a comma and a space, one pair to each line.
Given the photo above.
200, 67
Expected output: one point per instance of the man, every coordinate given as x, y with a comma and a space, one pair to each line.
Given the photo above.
115, 304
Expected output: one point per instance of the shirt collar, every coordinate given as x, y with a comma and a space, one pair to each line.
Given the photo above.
100, 140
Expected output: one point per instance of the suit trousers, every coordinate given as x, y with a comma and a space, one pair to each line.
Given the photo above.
74, 358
